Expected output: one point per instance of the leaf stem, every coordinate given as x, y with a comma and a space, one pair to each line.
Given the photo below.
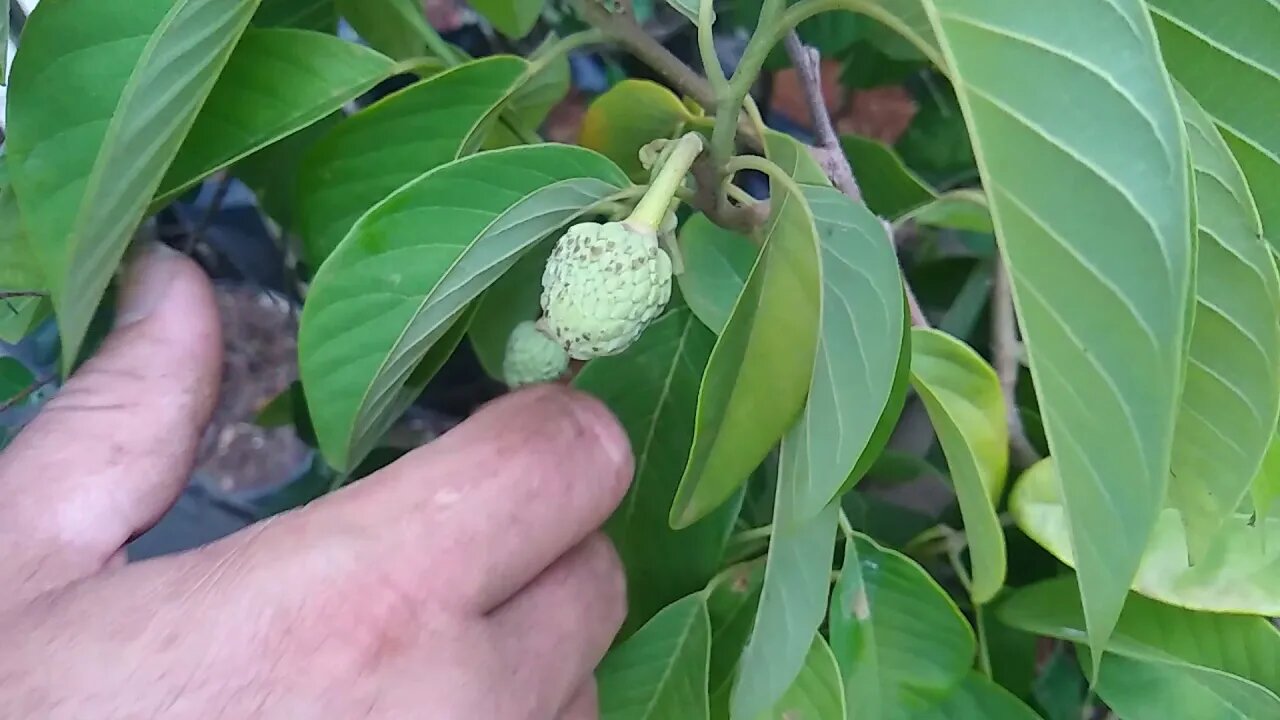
652, 208
549, 53
707, 49
766, 166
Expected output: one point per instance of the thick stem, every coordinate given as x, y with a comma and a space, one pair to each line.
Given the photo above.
652, 208
729, 107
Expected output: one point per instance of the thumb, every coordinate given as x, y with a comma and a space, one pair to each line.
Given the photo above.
109, 455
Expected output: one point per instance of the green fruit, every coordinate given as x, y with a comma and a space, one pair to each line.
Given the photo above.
602, 285
532, 357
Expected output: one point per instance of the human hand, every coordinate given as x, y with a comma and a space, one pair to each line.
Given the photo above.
468, 580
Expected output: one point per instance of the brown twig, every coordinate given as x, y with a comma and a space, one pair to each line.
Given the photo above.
833, 160
1007, 352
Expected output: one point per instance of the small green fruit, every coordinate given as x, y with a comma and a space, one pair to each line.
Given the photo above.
532, 357
602, 285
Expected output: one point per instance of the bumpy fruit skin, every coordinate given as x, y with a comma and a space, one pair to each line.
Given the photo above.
602, 285
532, 357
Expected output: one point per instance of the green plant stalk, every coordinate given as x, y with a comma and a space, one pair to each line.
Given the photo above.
728, 107
766, 166
549, 53
707, 49
652, 208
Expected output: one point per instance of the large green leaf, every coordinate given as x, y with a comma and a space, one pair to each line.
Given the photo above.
393, 27
100, 98
1232, 392
19, 268
860, 351
319, 15
731, 602
1103, 295
976, 697
397, 139
1226, 55
717, 262
901, 642
272, 172
629, 115
545, 85
1243, 646
963, 398
661, 671
389, 290
888, 186
958, 210
652, 388
759, 372
817, 693
1237, 572
513, 18
1136, 690
796, 580
276, 83
1266, 485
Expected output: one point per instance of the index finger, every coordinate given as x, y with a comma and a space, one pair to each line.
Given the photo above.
473, 517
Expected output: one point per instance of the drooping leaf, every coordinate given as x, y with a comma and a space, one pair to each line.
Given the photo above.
792, 600
275, 83
545, 85
1242, 646
396, 28
963, 398
755, 383
717, 262
661, 671
1232, 392
902, 644
628, 116
1225, 55
888, 186
1236, 574
390, 290
1136, 690
510, 301
1104, 322
513, 18
318, 15
860, 356
977, 697
386, 145
100, 98
652, 388
817, 692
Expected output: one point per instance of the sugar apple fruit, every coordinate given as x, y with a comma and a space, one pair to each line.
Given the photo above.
603, 284
532, 357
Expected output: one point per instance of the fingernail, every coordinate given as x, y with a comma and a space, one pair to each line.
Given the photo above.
147, 282
595, 416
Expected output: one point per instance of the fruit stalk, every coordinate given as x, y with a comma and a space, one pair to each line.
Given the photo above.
652, 208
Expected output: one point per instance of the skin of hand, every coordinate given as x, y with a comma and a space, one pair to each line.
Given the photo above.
469, 580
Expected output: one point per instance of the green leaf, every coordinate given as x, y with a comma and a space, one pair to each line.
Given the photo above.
15, 379
513, 18
1135, 690
661, 671
1227, 58
1243, 646
957, 210
627, 117
20, 316
100, 98
514, 298
1061, 690
759, 372
963, 398
907, 18
901, 642
545, 85
1104, 322
386, 145
1236, 574
817, 692
860, 352
796, 578
717, 262
272, 172
978, 697
389, 291
1266, 485
318, 15
393, 27
19, 268
888, 186
652, 389
276, 83
1232, 392
732, 604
